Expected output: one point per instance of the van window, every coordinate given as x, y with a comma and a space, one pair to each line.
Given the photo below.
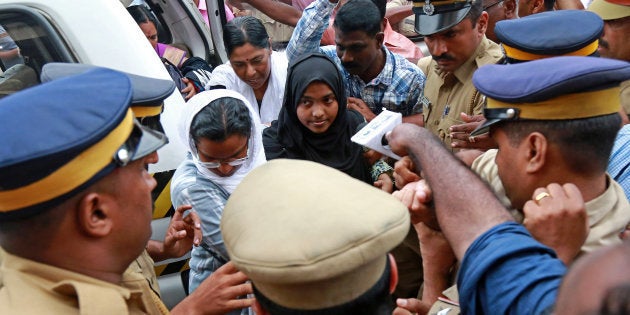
27, 42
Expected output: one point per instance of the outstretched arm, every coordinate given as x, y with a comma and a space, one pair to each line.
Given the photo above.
477, 206
277, 10
309, 29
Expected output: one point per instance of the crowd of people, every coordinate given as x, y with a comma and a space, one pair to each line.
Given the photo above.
510, 196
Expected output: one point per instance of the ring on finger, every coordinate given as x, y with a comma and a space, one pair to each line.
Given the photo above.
541, 196
471, 139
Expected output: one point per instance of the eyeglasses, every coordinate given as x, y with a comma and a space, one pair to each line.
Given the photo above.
235, 162
492, 5
217, 164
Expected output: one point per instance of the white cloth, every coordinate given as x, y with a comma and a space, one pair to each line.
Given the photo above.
255, 151
272, 100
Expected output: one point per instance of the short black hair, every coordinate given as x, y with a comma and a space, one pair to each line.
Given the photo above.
585, 144
359, 15
375, 301
476, 7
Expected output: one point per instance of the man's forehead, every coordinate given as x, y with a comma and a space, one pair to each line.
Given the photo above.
357, 37
463, 25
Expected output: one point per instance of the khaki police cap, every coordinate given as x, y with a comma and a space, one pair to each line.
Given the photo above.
310, 236
610, 9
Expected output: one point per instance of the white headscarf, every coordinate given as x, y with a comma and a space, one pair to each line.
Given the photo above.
255, 149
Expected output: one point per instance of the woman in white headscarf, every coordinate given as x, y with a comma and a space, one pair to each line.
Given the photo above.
224, 141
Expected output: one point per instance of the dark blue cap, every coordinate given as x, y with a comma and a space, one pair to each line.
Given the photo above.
61, 136
148, 94
554, 88
549, 34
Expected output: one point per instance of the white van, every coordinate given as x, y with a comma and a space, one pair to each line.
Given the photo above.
102, 33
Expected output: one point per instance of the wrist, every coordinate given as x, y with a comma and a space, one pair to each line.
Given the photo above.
156, 250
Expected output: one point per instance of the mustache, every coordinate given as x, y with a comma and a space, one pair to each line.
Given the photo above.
603, 43
445, 57
349, 65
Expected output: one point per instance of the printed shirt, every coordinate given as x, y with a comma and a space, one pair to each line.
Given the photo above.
397, 88
619, 163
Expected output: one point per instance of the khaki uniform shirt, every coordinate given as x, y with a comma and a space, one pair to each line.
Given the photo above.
277, 31
145, 266
607, 214
446, 95
29, 287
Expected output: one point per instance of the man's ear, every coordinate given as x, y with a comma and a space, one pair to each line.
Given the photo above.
537, 147
537, 6
482, 23
380, 39
95, 214
258, 309
393, 277
511, 9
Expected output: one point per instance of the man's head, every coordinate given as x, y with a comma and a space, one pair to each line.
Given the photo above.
529, 7
359, 38
73, 151
599, 283
452, 31
550, 34
616, 15
499, 10
315, 245
554, 119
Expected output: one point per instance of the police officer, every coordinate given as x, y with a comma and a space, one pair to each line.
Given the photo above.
543, 35
538, 36
75, 202
614, 41
553, 127
455, 35
147, 104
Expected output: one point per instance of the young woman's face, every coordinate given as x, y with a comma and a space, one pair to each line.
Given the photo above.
318, 107
251, 64
150, 32
231, 149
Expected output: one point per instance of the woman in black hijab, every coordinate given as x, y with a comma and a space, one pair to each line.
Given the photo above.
314, 123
